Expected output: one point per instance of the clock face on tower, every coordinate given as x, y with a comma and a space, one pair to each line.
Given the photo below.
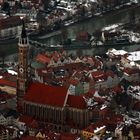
21, 70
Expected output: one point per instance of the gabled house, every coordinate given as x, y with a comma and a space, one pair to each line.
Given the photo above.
100, 79
134, 91
131, 74
4, 135
97, 129
3, 120
79, 83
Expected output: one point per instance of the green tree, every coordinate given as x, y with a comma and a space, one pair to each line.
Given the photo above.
6, 7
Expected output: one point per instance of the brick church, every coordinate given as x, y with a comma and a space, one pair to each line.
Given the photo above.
53, 105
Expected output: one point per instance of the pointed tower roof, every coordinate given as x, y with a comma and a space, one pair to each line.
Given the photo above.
23, 33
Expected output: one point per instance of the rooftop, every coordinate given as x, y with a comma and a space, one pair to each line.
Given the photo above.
45, 94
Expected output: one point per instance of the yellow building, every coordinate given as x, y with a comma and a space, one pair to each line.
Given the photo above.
94, 130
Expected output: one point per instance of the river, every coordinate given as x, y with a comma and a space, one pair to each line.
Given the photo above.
93, 24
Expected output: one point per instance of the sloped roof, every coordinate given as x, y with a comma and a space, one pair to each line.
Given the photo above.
43, 58
5, 82
44, 94
76, 102
26, 119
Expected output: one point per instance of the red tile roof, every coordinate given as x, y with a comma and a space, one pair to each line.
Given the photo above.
5, 82
44, 94
98, 75
43, 59
26, 119
34, 124
76, 102
73, 81
101, 75
117, 89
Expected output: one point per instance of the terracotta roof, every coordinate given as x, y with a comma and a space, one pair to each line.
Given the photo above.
5, 82
98, 75
26, 119
73, 81
44, 94
43, 59
34, 124
76, 102
101, 75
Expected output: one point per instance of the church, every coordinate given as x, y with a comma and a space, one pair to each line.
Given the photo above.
51, 105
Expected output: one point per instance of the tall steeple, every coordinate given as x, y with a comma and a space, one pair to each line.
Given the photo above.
23, 66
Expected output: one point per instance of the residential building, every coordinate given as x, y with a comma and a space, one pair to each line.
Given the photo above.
3, 120
134, 91
131, 74
4, 135
101, 79
10, 27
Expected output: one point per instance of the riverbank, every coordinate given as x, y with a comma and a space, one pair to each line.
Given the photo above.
85, 19
90, 26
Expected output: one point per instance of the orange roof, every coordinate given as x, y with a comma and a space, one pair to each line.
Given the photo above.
73, 81
76, 102
44, 94
5, 82
97, 74
43, 58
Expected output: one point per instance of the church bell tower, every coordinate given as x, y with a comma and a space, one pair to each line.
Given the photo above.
23, 67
